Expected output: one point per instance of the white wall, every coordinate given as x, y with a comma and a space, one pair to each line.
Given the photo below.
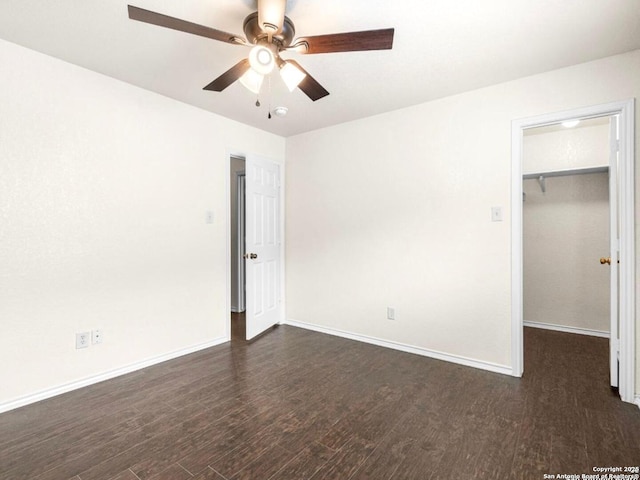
395, 210
104, 189
565, 232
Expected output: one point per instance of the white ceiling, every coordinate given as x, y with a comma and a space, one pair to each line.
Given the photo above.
441, 47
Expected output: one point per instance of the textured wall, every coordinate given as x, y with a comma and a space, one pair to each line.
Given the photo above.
104, 189
566, 231
396, 211
586, 145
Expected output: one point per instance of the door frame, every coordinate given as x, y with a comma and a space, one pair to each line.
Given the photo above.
614, 254
230, 153
240, 227
625, 109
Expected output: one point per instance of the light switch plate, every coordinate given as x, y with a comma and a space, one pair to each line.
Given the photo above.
496, 214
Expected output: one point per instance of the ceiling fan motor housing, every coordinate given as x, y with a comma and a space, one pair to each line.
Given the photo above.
256, 35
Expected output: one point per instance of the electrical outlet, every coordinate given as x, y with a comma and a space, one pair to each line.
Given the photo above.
96, 336
82, 339
391, 313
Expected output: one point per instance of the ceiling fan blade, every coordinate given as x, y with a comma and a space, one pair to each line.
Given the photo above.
310, 85
147, 16
228, 77
346, 42
271, 15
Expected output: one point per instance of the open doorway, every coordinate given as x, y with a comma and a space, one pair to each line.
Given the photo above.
256, 249
566, 222
237, 215
620, 164
569, 224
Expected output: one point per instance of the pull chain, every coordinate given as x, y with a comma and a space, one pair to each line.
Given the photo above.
269, 114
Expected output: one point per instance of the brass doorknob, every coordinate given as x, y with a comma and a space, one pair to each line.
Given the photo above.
252, 256
606, 260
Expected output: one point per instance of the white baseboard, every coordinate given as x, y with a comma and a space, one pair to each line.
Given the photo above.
562, 328
468, 362
85, 382
637, 400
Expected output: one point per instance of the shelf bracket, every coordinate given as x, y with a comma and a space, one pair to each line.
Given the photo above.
543, 186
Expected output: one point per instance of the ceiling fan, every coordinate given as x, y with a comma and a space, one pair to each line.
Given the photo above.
269, 32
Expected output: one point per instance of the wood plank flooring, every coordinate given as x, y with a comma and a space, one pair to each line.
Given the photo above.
296, 404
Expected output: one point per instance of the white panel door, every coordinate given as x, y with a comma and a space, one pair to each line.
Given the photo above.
262, 245
614, 242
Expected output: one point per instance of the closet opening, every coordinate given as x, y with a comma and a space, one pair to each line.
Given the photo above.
549, 166
570, 229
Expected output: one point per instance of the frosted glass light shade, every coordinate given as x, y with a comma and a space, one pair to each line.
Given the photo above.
291, 75
261, 60
252, 80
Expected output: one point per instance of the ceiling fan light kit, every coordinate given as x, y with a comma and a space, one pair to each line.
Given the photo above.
270, 32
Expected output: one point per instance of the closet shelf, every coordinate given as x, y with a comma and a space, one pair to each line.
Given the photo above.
563, 173
540, 176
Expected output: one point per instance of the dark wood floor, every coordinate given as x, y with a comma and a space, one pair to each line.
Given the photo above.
296, 404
